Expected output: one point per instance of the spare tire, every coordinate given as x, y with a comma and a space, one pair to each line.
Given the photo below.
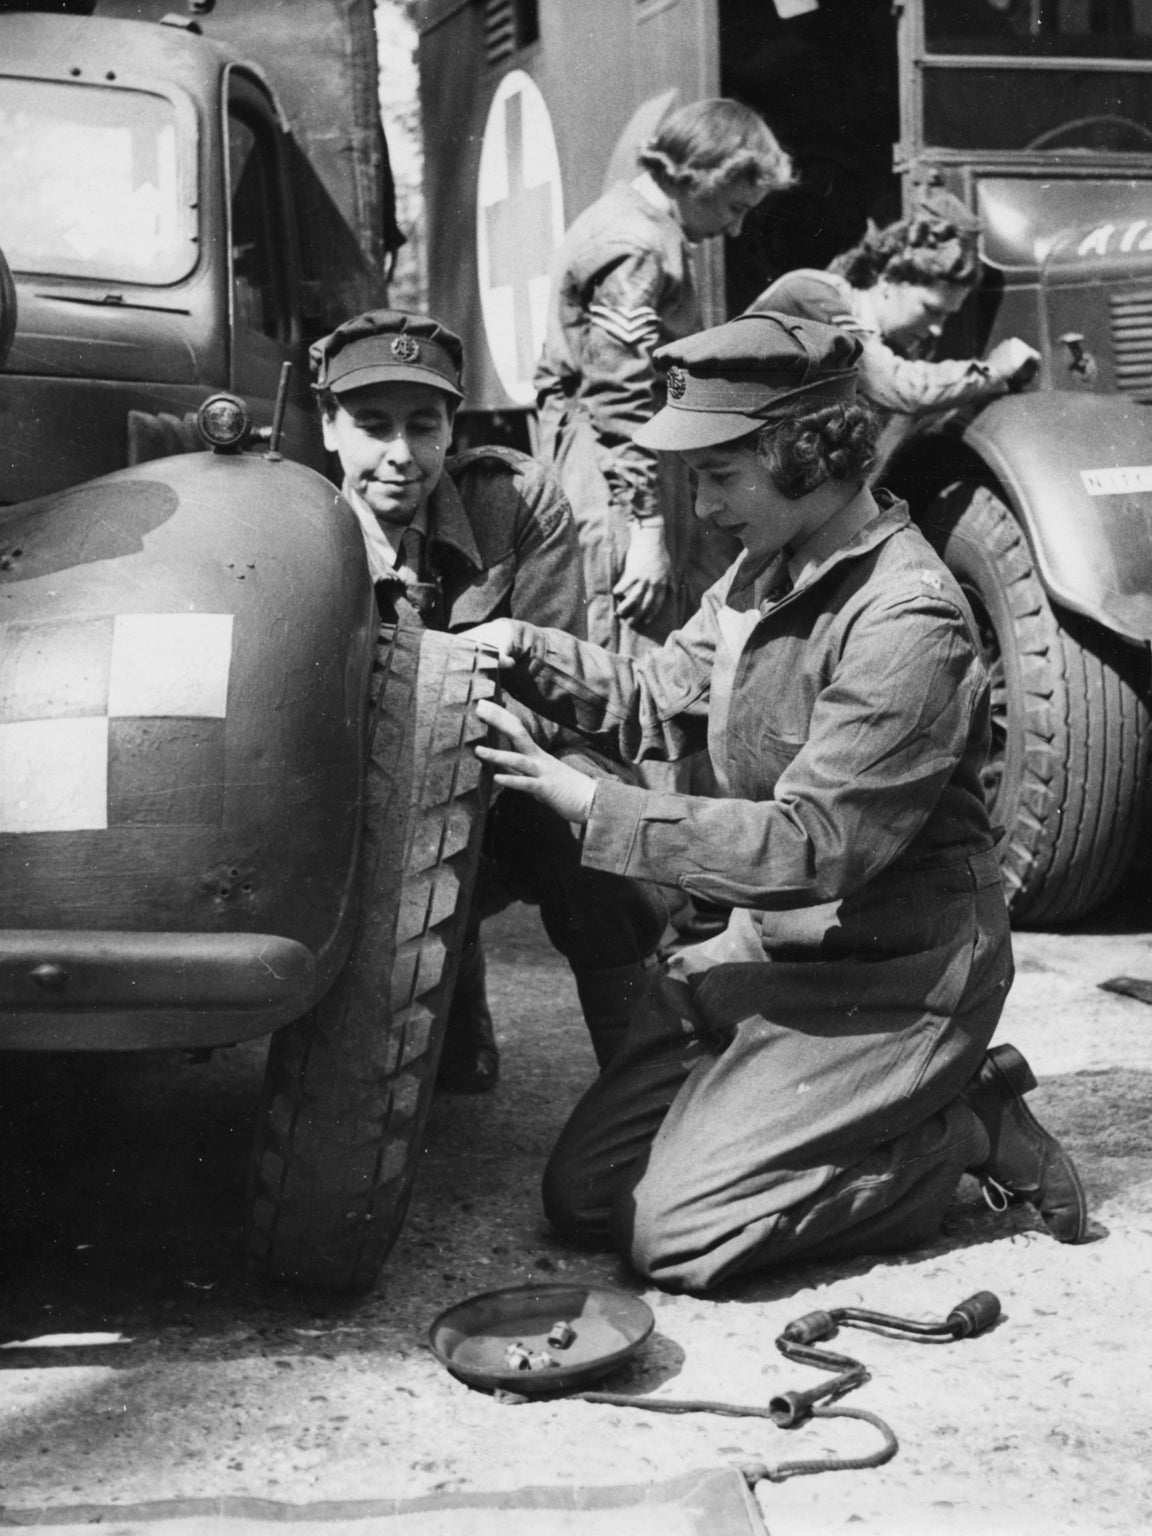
347, 1087
1068, 767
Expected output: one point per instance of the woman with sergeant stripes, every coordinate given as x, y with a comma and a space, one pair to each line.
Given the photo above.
621, 287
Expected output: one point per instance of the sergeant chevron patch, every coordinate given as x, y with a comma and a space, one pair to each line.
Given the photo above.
629, 327
113, 721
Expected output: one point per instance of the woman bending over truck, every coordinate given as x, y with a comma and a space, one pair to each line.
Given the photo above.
894, 290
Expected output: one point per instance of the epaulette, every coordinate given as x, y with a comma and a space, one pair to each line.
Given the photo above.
497, 457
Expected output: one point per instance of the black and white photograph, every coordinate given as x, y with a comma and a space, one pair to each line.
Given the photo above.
576, 767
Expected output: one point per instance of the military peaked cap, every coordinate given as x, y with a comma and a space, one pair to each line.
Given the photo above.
725, 382
388, 346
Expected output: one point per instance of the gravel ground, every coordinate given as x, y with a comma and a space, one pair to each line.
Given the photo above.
122, 1190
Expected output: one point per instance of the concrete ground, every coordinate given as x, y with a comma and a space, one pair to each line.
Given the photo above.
121, 1198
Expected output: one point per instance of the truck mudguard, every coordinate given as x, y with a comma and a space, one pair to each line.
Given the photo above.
1078, 471
185, 650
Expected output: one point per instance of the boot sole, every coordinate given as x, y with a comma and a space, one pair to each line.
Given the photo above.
1018, 1076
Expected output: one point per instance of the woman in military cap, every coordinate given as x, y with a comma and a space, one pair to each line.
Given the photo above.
813, 1081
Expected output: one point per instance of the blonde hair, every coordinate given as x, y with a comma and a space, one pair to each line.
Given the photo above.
710, 144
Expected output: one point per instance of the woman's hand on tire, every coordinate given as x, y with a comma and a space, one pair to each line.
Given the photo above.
527, 767
504, 636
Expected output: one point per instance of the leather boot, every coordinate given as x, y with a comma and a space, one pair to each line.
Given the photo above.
609, 999
1024, 1161
469, 1059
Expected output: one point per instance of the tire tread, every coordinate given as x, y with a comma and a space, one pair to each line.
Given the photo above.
348, 1087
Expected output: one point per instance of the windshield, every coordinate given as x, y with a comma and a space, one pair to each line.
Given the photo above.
1068, 29
88, 183
1053, 76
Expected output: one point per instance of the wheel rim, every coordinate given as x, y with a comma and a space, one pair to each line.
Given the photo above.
992, 774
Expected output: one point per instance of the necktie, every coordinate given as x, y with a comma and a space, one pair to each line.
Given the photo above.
410, 556
422, 594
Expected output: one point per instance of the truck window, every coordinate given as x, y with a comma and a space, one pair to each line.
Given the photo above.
1051, 59
89, 183
1040, 28
258, 287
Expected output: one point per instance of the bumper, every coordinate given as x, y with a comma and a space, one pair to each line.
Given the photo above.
113, 991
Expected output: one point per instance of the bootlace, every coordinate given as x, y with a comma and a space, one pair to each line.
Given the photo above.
996, 1196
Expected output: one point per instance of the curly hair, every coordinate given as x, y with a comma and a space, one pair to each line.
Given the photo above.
710, 144
837, 442
935, 244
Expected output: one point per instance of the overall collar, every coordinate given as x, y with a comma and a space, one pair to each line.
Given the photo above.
861, 525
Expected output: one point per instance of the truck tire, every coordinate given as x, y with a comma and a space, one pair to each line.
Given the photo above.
1070, 726
347, 1087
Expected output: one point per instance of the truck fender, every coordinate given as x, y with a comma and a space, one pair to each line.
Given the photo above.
1077, 470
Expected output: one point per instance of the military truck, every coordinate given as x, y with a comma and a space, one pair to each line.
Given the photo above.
231, 806
1038, 113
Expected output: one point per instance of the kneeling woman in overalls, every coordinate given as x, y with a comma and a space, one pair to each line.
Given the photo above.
813, 1082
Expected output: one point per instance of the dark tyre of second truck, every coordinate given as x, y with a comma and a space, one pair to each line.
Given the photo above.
1070, 720
347, 1087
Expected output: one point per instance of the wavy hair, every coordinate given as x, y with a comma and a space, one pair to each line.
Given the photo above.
710, 144
936, 244
837, 442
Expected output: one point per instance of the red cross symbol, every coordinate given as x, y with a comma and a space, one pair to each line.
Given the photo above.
519, 229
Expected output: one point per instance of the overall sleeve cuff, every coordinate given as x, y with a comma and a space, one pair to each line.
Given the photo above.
610, 833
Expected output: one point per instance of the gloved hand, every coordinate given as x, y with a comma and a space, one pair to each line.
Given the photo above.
1014, 362
646, 579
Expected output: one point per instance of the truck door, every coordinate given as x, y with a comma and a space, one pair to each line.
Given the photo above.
263, 268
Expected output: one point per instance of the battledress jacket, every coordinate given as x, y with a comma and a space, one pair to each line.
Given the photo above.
622, 285
901, 388
502, 543
847, 724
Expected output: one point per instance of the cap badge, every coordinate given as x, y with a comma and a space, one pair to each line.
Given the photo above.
404, 349
676, 383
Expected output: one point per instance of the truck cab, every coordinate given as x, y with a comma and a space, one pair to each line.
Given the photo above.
161, 221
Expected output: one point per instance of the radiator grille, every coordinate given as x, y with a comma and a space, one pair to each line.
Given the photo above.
1132, 342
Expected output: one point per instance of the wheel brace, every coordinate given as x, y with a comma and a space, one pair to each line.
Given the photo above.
789, 1409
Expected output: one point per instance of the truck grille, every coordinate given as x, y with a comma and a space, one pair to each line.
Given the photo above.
1132, 342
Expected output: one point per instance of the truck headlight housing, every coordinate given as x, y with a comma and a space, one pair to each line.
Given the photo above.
223, 423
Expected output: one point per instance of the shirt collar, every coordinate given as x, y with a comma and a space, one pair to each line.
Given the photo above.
647, 187
442, 519
381, 540
832, 536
